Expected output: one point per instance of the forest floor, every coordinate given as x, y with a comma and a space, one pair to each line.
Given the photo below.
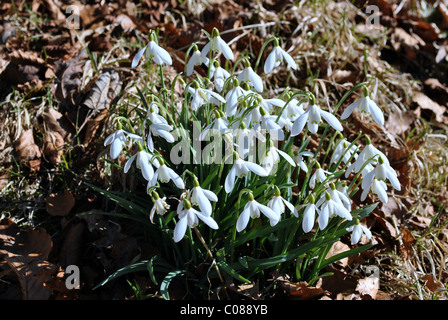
52, 135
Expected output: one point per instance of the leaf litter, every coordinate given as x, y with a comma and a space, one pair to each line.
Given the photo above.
406, 53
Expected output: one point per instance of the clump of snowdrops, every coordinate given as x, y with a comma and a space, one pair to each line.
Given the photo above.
231, 181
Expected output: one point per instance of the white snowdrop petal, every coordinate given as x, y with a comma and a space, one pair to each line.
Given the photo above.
376, 112
331, 120
243, 219
349, 110
180, 229
138, 56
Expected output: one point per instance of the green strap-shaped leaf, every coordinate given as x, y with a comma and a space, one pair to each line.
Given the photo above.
166, 282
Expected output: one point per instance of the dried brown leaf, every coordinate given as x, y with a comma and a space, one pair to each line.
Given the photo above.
424, 102
26, 147
27, 255
337, 248
400, 122
368, 287
431, 283
301, 290
59, 204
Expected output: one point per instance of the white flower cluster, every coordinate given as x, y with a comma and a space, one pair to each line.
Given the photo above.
237, 103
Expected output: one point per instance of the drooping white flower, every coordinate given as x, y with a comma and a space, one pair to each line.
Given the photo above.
319, 176
117, 139
293, 110
343, 151
309, 216
234, 97
312, 117
201, 96
218, 125
189, 217
143, 162
276, 57
298, 157
337, 196
220, 75
249, 76
196, 60
154, 52
369, 152
153, 113
160, 206
261, 120
329, 208
202, 197
278, 204
240, 169
164, 174
253, 209
375, 181
159, 129
245, 139
365, 106
357, 230
218, 45
272, 158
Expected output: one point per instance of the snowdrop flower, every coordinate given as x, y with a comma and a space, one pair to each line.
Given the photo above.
253, 210
244, 139
293, 110
233, 98
220, 75
365, 106
196, 60
217, 44
218, 125
202, 197
331, 208
160, 206
188, 216
202, 96
154, 52
337, 195
249, 76
143, 162
343, 189
278, 204
164, 175
319, 176
268, 122
375, 181
343, 151
117, 140
298, 157
309, 215
153, 114
357, 230
276, 57
272, 158
240, 169
378, 187
312, 117
159, 129
368, 153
